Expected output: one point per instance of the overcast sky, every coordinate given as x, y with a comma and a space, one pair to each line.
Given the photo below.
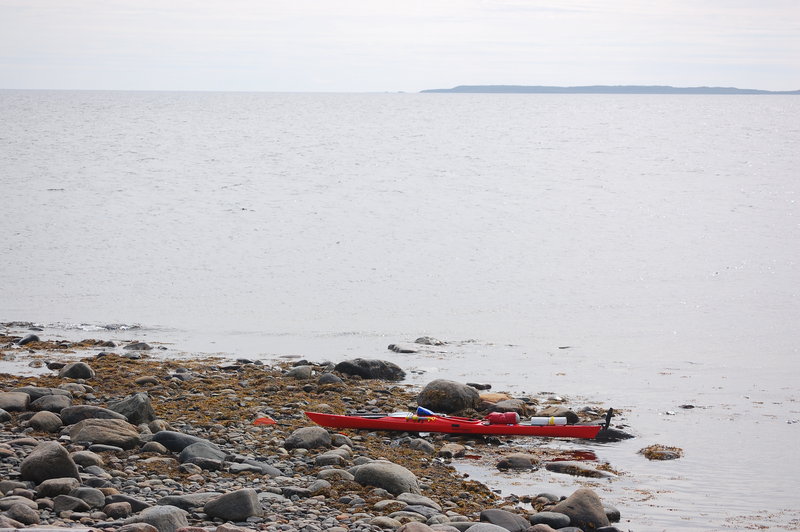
396, 45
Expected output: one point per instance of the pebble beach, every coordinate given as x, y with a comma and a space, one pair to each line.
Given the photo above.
112, 437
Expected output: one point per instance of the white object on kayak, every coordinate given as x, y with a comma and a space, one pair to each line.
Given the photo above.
548, 420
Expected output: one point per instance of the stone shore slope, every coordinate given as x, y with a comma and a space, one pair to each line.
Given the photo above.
121, 442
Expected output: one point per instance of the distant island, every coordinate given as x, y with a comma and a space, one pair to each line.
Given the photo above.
603, 89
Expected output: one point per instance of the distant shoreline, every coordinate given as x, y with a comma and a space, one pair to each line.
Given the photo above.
600, 89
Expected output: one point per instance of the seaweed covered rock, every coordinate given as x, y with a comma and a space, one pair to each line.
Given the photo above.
447, 396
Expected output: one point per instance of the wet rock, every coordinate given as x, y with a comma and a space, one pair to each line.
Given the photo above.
579, 469
661, 452
371, 369
137, 408
308, 438
14, 401
394, 478
45, 421
553, 519
584, 509
235, 506
509, 521
48, 460
164, 518
138, 346
447, 396
76, 370
75, 414
51, 403
175, 441
27, 339
428, 340
612, 434
114, 432
4, 416
519, 461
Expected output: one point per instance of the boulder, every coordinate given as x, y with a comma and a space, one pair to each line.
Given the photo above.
584, 509
76, 370
308, 438
301, 372
48, 460
447, 396
87, 458
509, 521
24, 514
235, 506
51, 403
66, 503
136, 408
11, 500
188, 501
45, 421
329, 378
53, 487
115, 432
14, 401
201, 449
518, 461
175, 441
579, 469
91, 496
37, 392
553, 519
452, 450
394, 478
75, 414
418, 500
164, 518
27, 339
558, 411
117, 510
371, 369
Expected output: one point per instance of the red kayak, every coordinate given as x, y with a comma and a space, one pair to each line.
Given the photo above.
451, 425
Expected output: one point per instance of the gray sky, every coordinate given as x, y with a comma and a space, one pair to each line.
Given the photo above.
378, 45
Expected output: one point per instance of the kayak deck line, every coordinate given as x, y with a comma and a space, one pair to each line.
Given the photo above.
450, 425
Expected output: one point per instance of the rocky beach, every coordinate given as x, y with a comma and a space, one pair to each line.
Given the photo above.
112, 437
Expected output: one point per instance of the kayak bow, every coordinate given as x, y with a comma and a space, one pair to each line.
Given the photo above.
450, 425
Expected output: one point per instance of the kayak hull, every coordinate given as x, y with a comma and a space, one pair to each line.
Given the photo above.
451, 425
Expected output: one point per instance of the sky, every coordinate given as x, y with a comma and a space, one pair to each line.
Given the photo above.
391, 45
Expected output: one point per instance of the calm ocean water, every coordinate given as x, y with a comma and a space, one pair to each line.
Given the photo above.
657, 236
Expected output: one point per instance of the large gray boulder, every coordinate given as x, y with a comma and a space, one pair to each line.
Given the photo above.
175, 441
235, 506
584, 509
394, 478
371, 369
201, 449
51, 403
76, 370
447, 396
136, 408
308, 438
45, 421
508, 520
14, 401
114, 432
164, 518
48, 460
74, 414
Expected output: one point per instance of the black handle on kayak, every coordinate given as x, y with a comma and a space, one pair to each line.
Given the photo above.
609, 415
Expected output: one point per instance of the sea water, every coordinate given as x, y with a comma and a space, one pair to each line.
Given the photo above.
637, 251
